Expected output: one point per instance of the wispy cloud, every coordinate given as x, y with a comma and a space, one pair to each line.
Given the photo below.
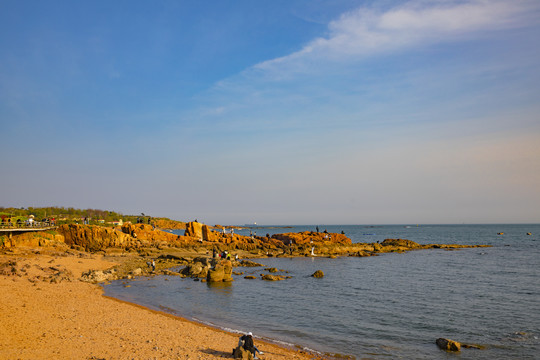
371, 31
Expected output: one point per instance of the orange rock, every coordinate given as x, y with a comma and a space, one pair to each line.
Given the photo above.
168, 224
308, 237
94, 238
400, 243
194, 229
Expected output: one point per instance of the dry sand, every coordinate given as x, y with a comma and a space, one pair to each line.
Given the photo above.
70, 319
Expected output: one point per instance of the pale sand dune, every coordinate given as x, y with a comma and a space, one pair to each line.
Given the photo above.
73, 320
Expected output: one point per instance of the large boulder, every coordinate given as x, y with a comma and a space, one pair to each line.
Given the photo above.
194, 229
448, 345
208, 234
222, 271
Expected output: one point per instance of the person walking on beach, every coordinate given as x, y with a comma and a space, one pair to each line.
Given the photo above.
249, 345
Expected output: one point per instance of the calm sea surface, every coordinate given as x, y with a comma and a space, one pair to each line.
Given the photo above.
381, 307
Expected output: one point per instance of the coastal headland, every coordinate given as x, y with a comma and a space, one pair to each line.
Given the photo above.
51, 307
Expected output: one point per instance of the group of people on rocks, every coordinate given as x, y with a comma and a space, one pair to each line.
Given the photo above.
223, 255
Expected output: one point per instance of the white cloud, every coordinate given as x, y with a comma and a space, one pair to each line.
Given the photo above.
369, 31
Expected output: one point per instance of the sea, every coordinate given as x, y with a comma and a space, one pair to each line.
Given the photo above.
391, 306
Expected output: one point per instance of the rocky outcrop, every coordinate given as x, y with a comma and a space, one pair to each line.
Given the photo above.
147, 233
400, 243
95, 238
310, 237
201, 238
197, 269
318, 274
132, 236
32, 239
164, 223
448, 345
195, 230
221, 271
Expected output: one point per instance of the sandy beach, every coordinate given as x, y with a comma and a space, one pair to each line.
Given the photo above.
47, 313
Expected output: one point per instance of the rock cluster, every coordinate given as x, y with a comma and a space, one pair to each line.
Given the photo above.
52, 274
98, 276
198, 268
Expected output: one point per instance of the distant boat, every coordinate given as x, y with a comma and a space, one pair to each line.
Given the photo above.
500, 233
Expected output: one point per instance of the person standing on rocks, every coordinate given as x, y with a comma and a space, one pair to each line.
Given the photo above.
249, 345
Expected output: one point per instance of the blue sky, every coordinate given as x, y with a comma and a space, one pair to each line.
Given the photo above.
275, 112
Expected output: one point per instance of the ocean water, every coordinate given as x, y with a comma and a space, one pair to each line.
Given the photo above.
392, 306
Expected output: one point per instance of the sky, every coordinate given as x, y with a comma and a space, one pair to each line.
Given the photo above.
275, 112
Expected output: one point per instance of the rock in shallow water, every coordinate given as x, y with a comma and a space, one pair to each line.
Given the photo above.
448, 345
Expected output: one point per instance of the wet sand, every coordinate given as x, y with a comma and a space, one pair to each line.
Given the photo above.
47, 313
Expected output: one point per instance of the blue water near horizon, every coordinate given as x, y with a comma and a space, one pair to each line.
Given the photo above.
387, 306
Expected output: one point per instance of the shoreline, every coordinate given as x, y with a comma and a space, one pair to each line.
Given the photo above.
48, 313
311, 353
